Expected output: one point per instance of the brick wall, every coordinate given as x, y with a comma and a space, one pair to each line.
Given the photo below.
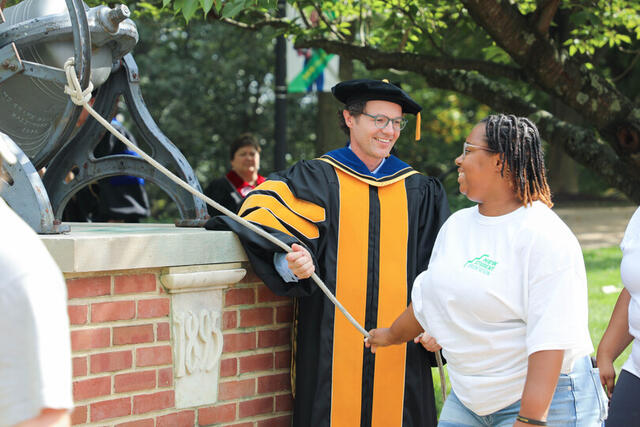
122, 356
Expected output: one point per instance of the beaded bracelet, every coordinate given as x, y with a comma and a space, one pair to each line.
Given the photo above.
530, 421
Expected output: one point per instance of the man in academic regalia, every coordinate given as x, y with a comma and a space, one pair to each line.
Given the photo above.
365, 222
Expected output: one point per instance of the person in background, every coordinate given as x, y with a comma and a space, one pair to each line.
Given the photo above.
366, 221
623, 329
231, 189
35, 355
505, 294
121, 198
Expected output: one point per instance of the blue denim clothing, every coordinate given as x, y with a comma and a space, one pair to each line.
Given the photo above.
579, 400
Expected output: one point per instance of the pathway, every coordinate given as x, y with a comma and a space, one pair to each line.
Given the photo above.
597, 227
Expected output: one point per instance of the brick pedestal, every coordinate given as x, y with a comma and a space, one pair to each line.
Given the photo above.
169, 327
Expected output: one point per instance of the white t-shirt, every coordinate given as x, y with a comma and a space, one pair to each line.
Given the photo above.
630, 274
35, 354
497, 290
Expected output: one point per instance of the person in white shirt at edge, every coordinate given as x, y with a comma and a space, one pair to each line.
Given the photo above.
35, 355
505, 294
624, 328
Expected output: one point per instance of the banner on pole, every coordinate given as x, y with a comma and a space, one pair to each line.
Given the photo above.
311, 70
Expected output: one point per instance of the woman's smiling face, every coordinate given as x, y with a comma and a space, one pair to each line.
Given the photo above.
477, 166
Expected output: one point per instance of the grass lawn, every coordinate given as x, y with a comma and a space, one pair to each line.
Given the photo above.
603, 274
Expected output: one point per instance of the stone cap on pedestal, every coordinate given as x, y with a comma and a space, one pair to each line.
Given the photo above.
104, 247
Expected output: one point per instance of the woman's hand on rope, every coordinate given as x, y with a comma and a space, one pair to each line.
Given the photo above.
427, 342
300, 262
380, 337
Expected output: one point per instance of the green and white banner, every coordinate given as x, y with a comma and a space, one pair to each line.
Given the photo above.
310, 69
313, 72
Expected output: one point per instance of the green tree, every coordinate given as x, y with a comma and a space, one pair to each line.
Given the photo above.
204, 85
525, 57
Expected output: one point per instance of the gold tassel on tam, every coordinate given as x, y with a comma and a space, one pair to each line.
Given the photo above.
418, 123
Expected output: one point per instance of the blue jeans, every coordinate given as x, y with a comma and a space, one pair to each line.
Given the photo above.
579, 400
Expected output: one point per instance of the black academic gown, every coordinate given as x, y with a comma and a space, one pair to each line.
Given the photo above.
222, 191
370, 236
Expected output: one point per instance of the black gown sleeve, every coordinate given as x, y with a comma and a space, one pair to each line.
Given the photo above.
291, 206
434, 211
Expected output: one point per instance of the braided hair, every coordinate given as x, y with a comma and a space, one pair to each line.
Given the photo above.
518, 142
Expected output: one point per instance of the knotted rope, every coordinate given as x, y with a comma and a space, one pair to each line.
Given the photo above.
72, 88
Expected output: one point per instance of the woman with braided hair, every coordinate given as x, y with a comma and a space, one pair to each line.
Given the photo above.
505, 294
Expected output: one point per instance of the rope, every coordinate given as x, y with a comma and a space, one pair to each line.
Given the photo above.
77, 95
443, 380
82, 98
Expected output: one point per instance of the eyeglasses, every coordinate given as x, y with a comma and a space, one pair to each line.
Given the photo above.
381, 121
466, 145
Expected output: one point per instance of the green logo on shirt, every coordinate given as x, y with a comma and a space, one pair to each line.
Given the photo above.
483, 264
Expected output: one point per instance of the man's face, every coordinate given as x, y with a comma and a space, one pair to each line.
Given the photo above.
370, 143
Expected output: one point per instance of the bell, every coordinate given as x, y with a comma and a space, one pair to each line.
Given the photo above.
31, 108
40, 120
